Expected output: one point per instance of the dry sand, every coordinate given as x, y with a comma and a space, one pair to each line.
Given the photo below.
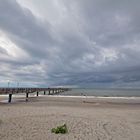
86, 118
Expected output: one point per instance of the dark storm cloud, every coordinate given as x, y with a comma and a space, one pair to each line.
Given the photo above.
95, 43
23, 28
111, 22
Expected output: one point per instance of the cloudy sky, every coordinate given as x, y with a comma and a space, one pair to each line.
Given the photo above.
84, 43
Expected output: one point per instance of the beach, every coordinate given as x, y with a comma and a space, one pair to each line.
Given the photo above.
87, 118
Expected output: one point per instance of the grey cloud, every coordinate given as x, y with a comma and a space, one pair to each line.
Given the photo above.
102, 25
23, 28
96, 44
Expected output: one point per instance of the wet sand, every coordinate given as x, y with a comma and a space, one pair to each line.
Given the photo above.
86, 118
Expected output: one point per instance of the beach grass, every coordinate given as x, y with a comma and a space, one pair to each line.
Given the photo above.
62, 129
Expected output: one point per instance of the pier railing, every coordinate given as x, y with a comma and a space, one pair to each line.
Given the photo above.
27, 91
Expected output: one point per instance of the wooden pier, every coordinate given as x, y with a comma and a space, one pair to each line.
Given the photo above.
27, 91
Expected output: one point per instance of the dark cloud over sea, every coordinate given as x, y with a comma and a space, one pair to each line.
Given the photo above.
92, 43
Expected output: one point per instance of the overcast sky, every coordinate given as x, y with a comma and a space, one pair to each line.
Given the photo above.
84, 43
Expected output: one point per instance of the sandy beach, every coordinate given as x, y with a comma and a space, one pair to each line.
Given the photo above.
86, 118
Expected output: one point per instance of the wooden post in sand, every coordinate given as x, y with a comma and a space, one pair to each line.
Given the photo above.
53, 91
27, 95
49, 91
37, 93
10, 98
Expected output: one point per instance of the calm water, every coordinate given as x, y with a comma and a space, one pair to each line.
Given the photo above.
104, 92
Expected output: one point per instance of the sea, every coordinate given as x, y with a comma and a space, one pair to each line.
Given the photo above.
102, 92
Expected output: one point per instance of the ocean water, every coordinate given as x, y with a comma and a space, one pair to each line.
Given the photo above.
103, 92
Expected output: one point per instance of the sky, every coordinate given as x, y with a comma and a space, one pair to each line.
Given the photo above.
78, 43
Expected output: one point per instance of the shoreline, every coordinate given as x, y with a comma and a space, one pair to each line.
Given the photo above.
79, 99
72, 96
79, 96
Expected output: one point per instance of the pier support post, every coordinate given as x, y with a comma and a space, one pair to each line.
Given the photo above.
10, 98
44, 92
37, 93
49, 91
27, 95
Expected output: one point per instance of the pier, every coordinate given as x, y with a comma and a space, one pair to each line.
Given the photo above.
27, 91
